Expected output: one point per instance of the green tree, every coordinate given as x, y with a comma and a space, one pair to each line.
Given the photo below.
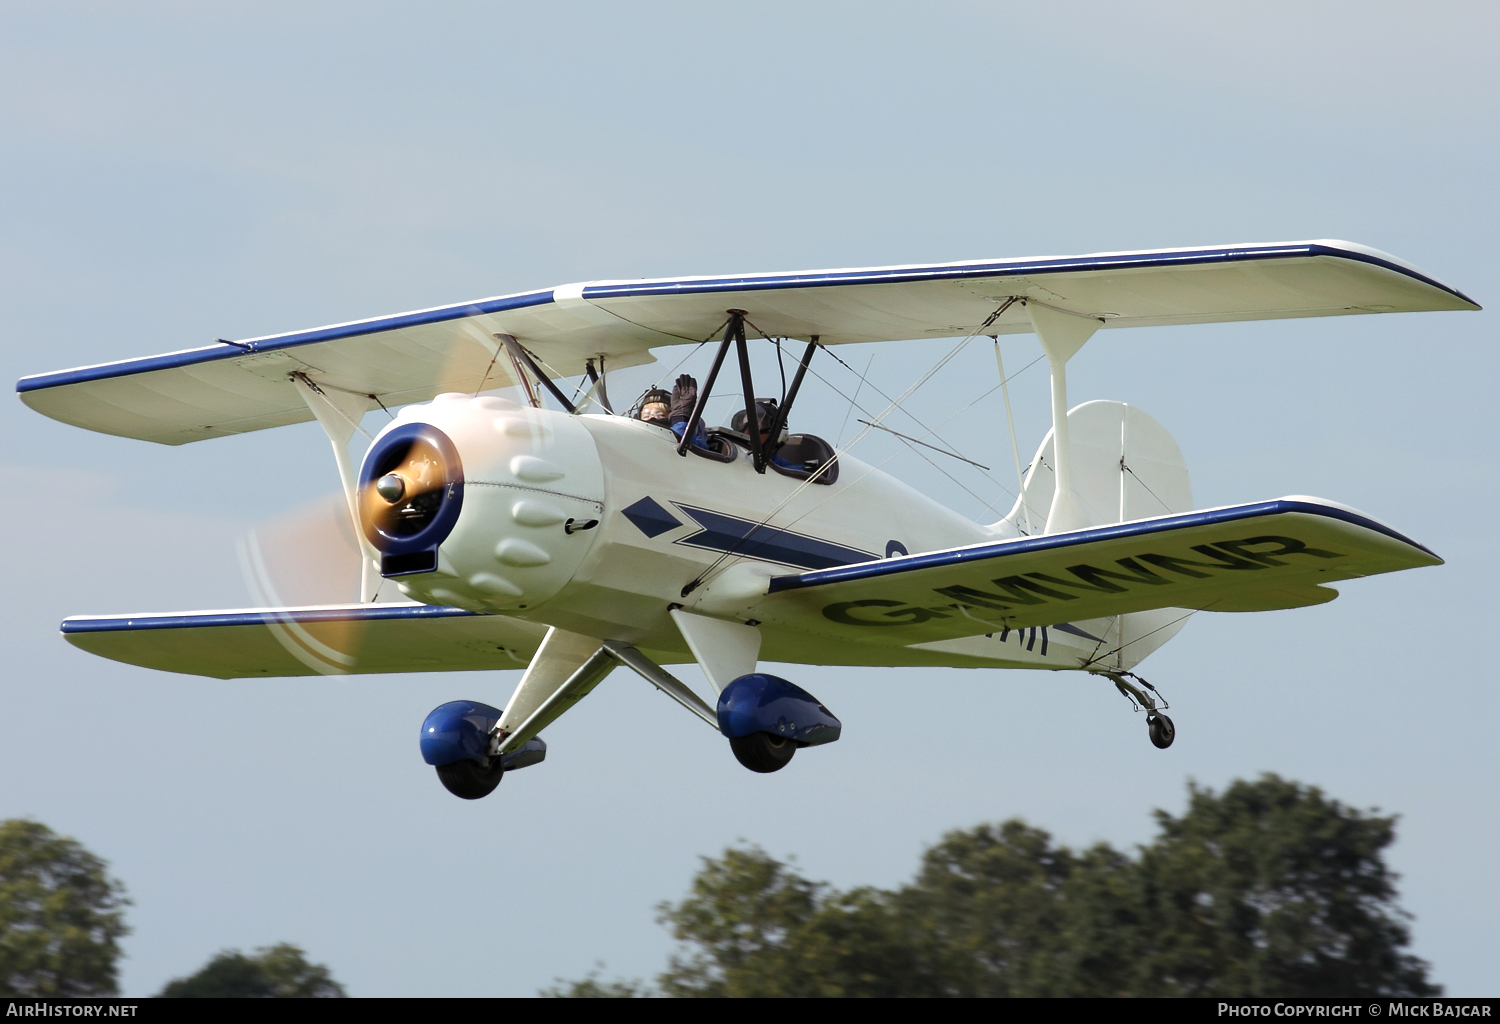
757, 928
1272, 889
739, 919
61, 916
1269, 889
1009, 914
281, 971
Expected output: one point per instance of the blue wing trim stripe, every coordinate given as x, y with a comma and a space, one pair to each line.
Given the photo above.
1009, 268
277, 342
198, 620
958, 556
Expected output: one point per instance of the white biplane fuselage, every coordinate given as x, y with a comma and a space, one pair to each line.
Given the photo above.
664, 521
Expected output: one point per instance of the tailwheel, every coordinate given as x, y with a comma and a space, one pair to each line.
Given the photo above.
1147, 698
470, 780
763, 752
1163, 732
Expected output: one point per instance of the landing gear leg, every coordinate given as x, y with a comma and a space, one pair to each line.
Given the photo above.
1160, 727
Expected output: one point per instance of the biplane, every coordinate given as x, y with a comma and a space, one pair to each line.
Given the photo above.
554, 531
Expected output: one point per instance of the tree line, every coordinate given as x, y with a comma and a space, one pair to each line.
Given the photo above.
1269, 889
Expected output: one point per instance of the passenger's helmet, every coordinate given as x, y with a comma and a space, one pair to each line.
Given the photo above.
765, 412
656, 407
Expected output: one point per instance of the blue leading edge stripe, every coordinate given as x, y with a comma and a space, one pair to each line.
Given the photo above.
958, 556
1007, 268
191, 620
275, 342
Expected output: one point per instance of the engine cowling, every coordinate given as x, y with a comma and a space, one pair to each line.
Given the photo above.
481, 503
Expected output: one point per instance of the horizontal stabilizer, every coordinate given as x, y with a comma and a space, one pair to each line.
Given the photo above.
325, 640
1269, 555
240, 386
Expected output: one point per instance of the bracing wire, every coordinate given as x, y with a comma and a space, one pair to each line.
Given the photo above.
691, 352
893, 455
888, 458
482, 380
1143, 483
924, 444
930, 431
1138, 639
920, 381
864, 379
1015, 448
853, 402
733, 552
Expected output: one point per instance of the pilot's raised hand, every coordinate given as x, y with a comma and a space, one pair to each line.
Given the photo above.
684, 398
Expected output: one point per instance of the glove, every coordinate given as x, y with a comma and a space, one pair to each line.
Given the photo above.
684, 398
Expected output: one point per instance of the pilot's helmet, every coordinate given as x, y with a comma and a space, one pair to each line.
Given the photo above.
656, 407
765, 412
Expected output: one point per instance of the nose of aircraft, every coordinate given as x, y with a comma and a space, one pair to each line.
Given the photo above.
477, 502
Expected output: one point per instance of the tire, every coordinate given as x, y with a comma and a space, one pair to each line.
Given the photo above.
468, 781
1163, 732
762, 752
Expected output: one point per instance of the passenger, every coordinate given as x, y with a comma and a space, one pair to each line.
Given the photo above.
765, 412
656, 409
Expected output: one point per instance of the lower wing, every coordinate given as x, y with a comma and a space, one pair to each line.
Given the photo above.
1260, 557
324, 640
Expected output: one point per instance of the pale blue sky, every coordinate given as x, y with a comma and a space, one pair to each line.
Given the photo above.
171, 173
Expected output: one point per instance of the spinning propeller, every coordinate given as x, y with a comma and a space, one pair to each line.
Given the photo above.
306, 556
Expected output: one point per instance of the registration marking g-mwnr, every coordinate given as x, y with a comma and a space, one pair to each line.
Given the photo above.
1035, 588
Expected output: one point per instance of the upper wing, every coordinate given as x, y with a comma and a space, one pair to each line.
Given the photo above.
326, 640
234, 387
1273, 554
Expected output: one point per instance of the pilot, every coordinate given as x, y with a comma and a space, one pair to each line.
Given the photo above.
656, 408
684, 400
765, 413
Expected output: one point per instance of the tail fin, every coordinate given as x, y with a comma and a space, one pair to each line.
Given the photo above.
1125, 466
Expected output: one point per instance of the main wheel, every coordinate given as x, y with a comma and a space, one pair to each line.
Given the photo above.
762, 752
1163, 732
468, 780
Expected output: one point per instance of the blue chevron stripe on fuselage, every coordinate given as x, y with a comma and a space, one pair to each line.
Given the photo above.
733, 535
